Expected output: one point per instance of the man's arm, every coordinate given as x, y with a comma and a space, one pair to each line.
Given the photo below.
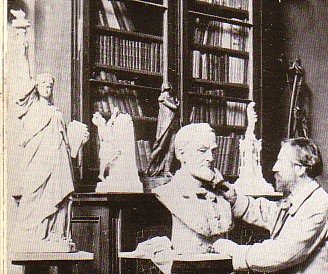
296, 241
260, 212
288, 250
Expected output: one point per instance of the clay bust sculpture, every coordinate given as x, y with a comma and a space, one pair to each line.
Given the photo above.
167, 126
199, 214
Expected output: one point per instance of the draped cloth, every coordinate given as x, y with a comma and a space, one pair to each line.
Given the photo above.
46, 174
159, 250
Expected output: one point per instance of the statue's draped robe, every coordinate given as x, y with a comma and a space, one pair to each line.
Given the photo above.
46, 175
167, 125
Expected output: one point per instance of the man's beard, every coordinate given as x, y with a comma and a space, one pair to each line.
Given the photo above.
283, 185
203, 173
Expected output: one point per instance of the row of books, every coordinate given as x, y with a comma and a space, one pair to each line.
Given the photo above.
111, 77
203, 90
124, 99
222, 68
127, 100
114, 14
237, 4
143, 154
221, 34
219, 113
227, 158
130, 54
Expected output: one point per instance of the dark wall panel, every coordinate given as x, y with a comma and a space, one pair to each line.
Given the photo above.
306, 36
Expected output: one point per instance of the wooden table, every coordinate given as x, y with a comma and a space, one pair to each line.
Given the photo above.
39, 262
193, 263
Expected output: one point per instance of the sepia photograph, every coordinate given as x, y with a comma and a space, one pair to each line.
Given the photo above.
164, 137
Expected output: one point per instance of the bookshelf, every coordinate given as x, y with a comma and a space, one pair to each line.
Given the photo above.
120, 59
124, 50
216, 52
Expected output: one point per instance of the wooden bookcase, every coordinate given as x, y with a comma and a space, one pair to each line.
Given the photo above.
205, 48
216, 52
121, 53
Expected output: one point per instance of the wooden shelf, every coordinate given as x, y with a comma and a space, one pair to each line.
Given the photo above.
131, 71
144, 119
221, 19
134, 118
272, 195
209, 8
147, 3
114, 197
112, 84
178, 257
221, 51
129, 34
222, 85
23, 258
221, 98
229, 128
223, 129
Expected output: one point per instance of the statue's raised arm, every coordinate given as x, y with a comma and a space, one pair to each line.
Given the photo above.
21, 83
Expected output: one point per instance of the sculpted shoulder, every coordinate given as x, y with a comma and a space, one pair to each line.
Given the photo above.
164, 189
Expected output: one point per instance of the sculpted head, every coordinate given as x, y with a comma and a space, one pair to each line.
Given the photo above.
166, 86
298, 158
98, 119
44, 85
251, 114
194, 148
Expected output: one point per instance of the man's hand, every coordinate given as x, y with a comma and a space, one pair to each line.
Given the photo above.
218, 177
227, 190
226, 247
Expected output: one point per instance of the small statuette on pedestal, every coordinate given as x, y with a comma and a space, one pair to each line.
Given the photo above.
251, 179
117, 154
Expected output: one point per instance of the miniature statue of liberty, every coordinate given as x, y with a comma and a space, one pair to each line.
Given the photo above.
251, 179
45, 174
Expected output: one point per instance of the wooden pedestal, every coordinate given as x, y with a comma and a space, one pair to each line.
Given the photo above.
40, 262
